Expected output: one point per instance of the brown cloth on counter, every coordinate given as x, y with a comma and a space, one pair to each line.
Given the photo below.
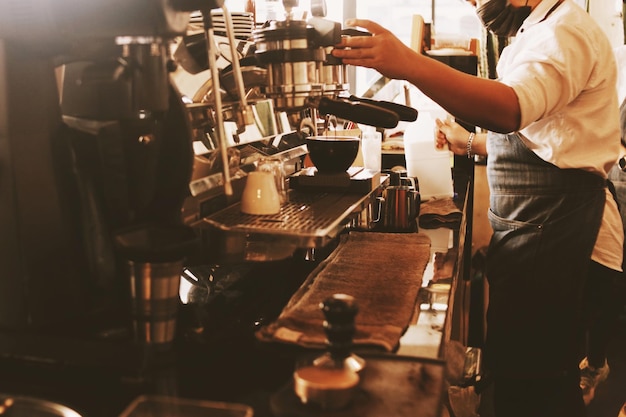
439, 212
382, 271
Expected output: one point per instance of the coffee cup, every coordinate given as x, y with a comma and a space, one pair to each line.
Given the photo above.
260, 195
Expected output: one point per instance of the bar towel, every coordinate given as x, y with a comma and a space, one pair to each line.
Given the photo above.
439, 212
382, 271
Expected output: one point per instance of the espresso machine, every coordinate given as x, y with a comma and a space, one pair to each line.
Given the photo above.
288, 79
99, 167
95, 164
98, 163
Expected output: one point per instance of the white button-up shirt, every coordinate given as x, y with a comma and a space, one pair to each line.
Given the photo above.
562, 68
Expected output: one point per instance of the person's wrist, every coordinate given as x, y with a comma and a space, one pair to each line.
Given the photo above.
470, 141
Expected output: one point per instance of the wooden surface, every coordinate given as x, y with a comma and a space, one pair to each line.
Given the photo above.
391, 386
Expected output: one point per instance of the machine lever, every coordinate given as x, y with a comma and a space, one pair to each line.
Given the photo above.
405, 113
357, 112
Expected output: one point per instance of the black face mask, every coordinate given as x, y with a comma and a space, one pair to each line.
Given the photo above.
502, 18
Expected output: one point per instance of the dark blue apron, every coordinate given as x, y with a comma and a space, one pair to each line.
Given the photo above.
545, 222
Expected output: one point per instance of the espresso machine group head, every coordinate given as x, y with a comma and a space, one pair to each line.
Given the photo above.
94, 147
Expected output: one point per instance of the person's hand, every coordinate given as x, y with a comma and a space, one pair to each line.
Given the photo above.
452, 134
382, 51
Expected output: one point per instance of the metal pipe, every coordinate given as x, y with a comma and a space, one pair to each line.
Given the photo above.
247, 117
217, 99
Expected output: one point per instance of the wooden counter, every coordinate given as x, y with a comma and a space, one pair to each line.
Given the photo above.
219, 358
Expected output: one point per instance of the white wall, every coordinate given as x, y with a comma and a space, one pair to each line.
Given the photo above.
608, 13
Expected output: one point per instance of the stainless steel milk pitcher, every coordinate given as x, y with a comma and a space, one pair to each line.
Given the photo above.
400, 208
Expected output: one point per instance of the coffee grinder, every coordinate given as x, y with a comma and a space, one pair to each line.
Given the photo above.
95, 162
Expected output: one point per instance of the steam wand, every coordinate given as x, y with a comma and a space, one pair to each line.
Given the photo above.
217, 98
247, 117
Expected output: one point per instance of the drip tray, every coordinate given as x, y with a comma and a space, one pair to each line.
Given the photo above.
308, 220
354, 180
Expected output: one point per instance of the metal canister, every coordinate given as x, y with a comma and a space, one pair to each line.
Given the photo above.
400, 208
293, 63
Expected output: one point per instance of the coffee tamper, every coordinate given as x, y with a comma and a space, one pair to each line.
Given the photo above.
339, 313
329, 381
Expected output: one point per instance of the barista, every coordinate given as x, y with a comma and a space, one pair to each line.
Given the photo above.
554, 129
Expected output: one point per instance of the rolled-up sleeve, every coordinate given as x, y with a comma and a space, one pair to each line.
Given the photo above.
548, 73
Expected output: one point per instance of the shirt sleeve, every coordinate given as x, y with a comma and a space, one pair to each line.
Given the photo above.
549, 70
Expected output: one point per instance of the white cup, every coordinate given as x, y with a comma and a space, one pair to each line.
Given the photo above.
260, 195
371, 146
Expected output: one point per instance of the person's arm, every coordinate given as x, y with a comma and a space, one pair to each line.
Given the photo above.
457, 138
486, 103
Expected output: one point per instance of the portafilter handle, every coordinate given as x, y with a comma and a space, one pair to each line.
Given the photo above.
356, 111
405, 113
